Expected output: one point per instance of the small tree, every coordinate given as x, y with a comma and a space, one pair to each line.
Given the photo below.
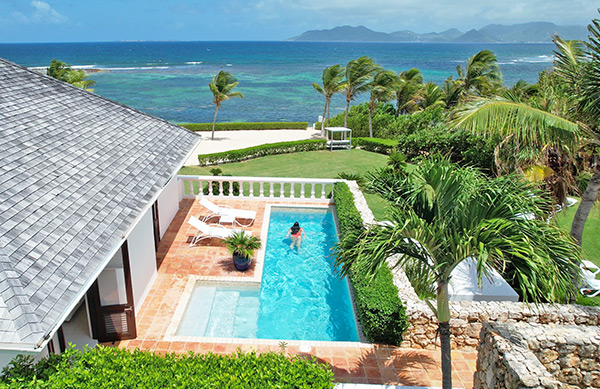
359, 73
221, 86
381, 91
444, 214
333, 82
62, 71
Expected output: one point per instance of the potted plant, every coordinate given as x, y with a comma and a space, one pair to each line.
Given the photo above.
242, 246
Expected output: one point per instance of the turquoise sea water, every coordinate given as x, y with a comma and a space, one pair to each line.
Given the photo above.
300, 297
169, 79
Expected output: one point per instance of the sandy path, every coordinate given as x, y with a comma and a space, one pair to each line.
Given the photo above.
232, 140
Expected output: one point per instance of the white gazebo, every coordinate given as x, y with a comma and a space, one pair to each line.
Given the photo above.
341, 141
464, 287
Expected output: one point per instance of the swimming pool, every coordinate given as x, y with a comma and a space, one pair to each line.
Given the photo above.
300, 296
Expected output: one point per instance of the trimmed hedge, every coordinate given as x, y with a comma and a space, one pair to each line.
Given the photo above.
246, 126
376, 145
109, 367
261, 151
380, 310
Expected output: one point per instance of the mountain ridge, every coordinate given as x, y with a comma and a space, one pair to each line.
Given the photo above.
532, 32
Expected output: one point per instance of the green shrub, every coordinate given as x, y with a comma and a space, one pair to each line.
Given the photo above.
376, 145
246, 126
261, 151
109, 367
380, 310
461, 147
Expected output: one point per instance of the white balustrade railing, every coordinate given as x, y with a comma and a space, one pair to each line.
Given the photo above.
256, 187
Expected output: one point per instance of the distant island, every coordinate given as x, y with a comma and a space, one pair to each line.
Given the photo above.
534, 32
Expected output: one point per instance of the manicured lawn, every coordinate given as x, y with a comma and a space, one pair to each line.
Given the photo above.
590, 245
312, 164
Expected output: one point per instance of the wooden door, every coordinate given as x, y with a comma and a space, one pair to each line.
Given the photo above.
156, 224
110, 301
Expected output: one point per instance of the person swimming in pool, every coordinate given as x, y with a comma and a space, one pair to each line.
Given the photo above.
296, 234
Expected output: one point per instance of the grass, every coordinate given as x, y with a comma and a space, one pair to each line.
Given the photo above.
590, 245
311, 164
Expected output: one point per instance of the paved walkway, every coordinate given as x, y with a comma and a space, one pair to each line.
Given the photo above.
233, 140
179, 266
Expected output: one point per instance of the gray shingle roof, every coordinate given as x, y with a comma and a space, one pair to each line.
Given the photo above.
76, 170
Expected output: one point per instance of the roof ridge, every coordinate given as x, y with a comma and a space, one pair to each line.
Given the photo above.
81, 90
27, 322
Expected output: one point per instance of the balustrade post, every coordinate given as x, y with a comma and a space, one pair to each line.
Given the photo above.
271, 190
302, 189
221, 193
230, 188
261, 190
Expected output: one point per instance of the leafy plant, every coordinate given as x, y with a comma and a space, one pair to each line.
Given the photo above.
261, 151
109, 367
379, 309
375, 145
350, 176
243, 126
241, 244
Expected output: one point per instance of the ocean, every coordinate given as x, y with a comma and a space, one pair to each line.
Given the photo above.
170, 79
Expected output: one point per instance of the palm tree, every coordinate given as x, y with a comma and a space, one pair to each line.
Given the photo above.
62, 71
577, 71
333, 82
381, 91
431, 96
408, 84
481, 76
221, 87
359, 73
444, 214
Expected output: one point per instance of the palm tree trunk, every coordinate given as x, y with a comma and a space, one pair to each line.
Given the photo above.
370, 122
397, 106
443, 314
327, 124
324, 111
346, 113
212, 137
587, 202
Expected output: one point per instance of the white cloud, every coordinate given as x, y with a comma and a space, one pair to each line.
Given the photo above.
42, 13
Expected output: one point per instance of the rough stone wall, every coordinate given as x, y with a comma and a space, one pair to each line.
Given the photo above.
468, 317
521, 355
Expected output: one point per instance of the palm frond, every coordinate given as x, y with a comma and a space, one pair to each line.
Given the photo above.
530, 125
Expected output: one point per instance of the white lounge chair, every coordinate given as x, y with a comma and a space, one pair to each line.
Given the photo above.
590, 267
591, 288
211, 231
227, 213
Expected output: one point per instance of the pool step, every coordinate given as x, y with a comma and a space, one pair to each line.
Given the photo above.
199, 309
222, 316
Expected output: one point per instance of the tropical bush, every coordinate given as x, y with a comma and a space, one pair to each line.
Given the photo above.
110, 367
246, 126
261, 151
375, 145
460, 146
380, 310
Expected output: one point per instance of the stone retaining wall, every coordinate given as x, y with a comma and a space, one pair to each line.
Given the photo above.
521, 355
468, 317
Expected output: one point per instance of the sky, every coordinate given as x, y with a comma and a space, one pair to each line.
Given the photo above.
187, 20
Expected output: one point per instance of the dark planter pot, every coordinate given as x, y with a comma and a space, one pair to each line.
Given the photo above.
241, 263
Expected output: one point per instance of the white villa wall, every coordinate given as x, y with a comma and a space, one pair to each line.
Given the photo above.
7, 355
142, 258
168, 205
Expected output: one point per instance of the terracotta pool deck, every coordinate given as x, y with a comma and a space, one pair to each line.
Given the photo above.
179, 266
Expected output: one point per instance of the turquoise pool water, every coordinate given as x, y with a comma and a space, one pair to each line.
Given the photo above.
300, 297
